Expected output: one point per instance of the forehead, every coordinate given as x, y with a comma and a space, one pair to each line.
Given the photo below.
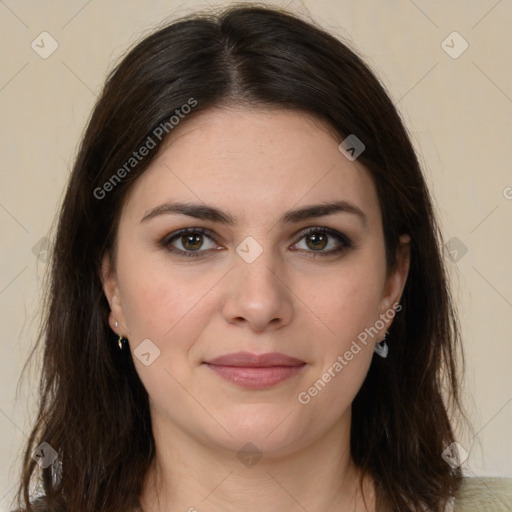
253, 162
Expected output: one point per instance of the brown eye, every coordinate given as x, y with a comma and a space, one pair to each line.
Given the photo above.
189, 242
318, 239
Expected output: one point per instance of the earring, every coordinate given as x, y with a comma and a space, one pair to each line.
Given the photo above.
120, 340
382, 348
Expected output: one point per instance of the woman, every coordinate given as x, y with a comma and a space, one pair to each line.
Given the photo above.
199, 353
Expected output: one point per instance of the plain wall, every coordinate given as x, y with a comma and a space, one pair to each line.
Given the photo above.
458, 111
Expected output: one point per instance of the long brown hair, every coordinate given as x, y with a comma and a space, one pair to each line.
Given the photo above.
94, 410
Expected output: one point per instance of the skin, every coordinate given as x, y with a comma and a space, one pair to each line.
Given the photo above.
255, 165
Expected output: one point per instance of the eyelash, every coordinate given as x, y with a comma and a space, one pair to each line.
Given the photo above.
345, 242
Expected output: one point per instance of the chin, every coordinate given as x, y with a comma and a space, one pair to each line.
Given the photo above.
270, 432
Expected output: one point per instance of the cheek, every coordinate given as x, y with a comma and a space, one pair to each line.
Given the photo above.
348, 304
162, 302
348, 300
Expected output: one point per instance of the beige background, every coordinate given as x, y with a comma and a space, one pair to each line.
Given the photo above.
457, 109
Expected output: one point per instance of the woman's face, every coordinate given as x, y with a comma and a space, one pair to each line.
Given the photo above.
254, 280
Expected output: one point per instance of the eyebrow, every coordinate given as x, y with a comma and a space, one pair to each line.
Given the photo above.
210, 213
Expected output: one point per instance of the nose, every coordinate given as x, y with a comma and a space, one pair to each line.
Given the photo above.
257, 294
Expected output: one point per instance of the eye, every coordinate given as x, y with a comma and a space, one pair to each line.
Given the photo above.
191, 241
318, 239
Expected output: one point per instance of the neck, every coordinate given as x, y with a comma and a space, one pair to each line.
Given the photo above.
187, 475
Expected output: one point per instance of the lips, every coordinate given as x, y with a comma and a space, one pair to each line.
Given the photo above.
255, 371
249, 360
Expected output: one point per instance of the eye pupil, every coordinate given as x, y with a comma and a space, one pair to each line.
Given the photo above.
193, 239
318, 240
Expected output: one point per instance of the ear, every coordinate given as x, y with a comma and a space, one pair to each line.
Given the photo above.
395, 281
111, 290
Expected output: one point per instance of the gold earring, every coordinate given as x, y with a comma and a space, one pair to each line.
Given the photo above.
120, 339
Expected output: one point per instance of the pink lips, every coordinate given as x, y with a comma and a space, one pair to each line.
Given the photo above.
256, 371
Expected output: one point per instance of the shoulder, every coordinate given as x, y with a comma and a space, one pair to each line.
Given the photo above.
492, 494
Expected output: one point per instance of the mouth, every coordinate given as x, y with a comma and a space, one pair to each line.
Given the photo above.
256, 371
